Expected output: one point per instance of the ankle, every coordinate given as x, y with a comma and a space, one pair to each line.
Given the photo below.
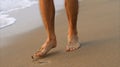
73, 38
51, 39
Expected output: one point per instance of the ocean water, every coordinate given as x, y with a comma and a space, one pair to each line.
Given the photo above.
7, 6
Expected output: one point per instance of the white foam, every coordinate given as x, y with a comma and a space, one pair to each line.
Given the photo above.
5, 20
9, 6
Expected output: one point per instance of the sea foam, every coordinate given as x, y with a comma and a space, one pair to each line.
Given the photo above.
7, 6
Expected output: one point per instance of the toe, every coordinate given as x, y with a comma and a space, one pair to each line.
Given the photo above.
72, 49
67, 49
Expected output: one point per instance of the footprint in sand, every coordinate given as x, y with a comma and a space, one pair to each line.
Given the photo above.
42, 62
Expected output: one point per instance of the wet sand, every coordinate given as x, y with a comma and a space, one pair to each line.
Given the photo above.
99, 32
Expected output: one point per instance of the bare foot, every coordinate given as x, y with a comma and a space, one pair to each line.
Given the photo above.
46, 47
73, 44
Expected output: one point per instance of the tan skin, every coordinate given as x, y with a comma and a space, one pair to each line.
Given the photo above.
48, 19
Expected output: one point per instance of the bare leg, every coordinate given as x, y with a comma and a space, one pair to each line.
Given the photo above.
48, 14
72, 12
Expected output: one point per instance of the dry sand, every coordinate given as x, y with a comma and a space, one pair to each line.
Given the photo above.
99, 32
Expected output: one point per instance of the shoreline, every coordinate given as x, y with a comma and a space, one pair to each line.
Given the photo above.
34, 3
98, 31
5, 19
58, 5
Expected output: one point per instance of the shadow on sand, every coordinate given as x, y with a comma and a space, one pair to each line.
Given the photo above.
100, 41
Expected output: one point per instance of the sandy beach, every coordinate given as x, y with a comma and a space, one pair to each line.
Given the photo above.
99, 32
